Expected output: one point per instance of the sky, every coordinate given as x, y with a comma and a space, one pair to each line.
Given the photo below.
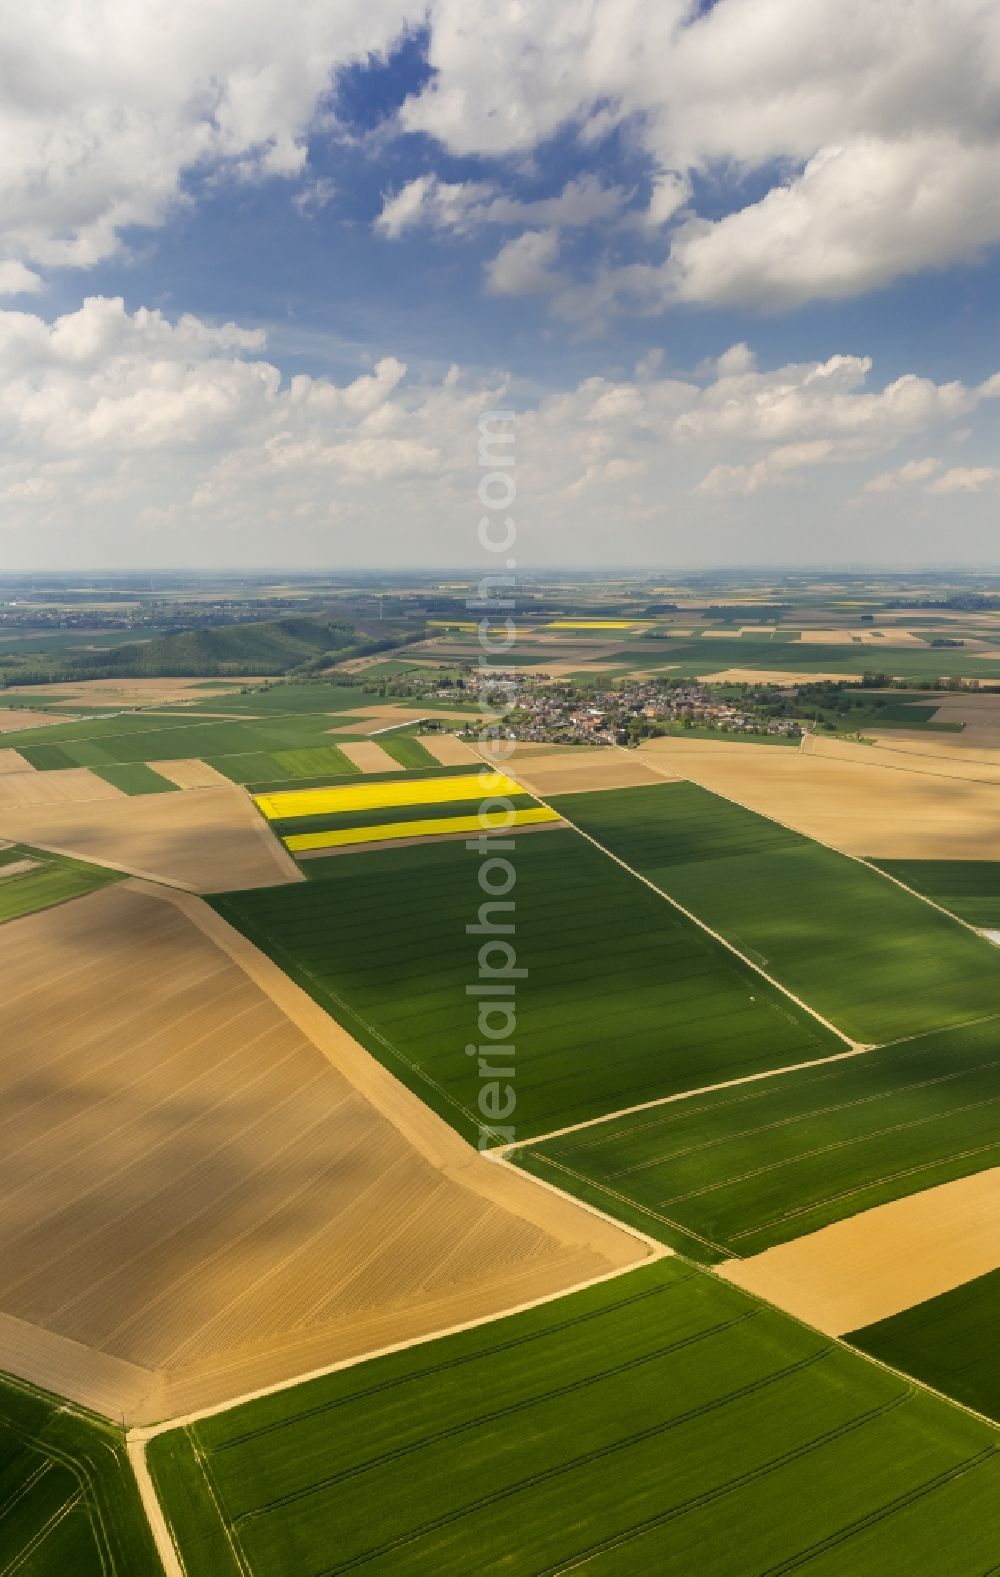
733, 265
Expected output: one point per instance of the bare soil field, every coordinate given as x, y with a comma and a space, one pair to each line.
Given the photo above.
212, 841
11, 761
774, 676
865, 805
133, 692
872, 1265
446, 748
584, 771
204, 1181
35, 791
14, 718
191, 774
935, 755
369, 756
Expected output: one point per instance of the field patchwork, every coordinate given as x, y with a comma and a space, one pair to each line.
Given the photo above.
660, 1421
207, 1185
872, 958
734, 1172
624, 999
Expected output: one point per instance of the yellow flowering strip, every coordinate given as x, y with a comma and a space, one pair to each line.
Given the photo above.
300, 842
594, 624
290, 803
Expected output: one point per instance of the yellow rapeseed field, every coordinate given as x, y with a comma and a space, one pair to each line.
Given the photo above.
300, 842
290, 803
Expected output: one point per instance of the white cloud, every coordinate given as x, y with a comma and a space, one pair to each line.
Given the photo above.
522, 266
461, 207
113, 421
908, 475
105, 108
874, 126
966, 479
17, 280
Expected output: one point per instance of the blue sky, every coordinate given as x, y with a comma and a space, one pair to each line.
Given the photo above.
578, 209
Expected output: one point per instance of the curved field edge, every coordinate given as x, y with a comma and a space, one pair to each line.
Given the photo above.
69, 1503
660, 1421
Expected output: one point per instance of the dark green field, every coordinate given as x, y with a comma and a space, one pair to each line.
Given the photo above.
624, 1000
69, 1506
969, 888
658, 1422
136, 778
871, 958
55, 879
734, 1172
949, 1342
406, 749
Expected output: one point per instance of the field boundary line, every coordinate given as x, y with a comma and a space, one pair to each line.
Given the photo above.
855, 1045
141, 1434
159, 1527
859, 859
687, 1095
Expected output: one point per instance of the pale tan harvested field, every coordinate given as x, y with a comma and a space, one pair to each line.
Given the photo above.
869, 807
11, 761
920, 753
447, 749
894, 637
203, 1177
13, 719
872, 1265
212, 841
35, 792
191, 774
134, 692
774, 676
369, 756
584, 771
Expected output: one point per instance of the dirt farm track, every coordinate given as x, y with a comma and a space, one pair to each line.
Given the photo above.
206, 1186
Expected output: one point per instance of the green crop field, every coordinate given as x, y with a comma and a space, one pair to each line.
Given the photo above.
291, 744
873, 959
689, 659
736, 1171
658, 1422
69, 1506
949, 1342
969, 888
406, 749
55, 878
625, 1000
136, 778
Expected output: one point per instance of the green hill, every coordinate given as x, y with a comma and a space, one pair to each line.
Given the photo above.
272, 647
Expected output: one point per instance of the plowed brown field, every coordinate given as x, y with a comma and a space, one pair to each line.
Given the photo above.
212, 841
207, 1186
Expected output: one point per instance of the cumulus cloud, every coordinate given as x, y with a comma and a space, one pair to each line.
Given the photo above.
966, 479
522, 267
111, 105
874, 127
462, 207
117, 420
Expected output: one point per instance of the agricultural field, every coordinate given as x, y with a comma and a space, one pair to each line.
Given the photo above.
624, 999
206, 1186
69, 1506
948, 1342
135, 778
659, 1421
879, 802
969, 888
322, 819
736, 1171
873, 959
33, 879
